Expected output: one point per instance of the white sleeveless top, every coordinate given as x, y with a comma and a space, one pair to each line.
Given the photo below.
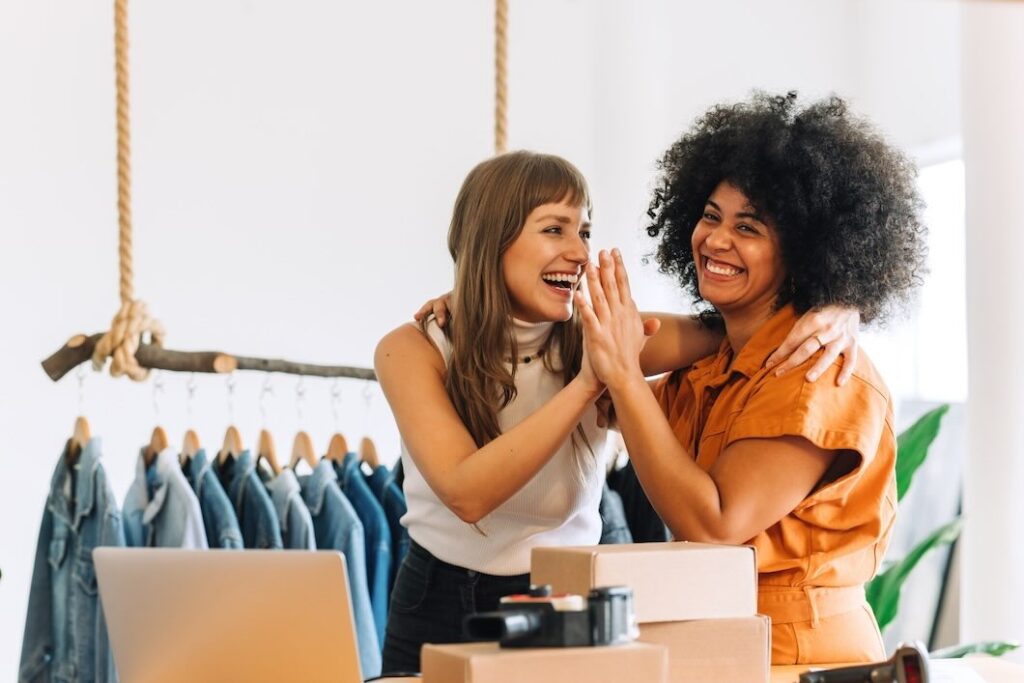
556, 507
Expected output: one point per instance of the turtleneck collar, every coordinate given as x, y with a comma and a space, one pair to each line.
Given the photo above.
530, 337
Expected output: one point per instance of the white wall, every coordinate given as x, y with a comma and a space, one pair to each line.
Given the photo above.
294, 168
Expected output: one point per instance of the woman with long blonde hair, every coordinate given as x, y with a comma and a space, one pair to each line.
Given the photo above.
501, 445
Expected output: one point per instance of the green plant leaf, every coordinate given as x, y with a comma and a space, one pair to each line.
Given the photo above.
995, 648
912, 447
883, 591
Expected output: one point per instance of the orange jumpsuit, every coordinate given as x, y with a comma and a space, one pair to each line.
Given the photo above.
812, 564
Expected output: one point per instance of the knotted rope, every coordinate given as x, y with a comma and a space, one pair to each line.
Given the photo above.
500, 76
132, 319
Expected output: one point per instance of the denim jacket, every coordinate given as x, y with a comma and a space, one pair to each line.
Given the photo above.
219, 518
255, 510
377, 533
614, 528
378, 480
65, 632
337, 527
393, 502
161, 509
292, 513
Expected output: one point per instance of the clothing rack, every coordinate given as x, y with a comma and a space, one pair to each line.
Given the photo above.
79, 349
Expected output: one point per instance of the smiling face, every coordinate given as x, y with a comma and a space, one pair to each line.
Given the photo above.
739, 262
544, 265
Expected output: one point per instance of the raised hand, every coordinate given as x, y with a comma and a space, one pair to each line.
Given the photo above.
613, 332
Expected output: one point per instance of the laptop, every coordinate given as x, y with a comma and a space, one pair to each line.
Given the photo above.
221, 615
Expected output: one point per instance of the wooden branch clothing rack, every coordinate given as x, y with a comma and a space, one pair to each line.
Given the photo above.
81, 348
232, 499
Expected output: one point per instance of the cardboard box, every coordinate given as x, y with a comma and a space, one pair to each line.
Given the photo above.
670, 581
715, 650
488, 663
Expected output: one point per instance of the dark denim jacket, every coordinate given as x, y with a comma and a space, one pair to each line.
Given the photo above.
377, 533
614, 528
292, 513
378, 480
65, 632
393, 502
337, 527
255, 510
219, 518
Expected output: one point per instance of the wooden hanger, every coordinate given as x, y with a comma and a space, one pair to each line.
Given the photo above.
79, 438
368, 452
157, 442
232, 445
302, 449
268, 452
338, 448
189, 446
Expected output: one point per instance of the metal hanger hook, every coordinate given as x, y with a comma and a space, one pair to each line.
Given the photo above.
336, 403
158, 388
80, 375
231, 397
265, 390
300, 396
190, 389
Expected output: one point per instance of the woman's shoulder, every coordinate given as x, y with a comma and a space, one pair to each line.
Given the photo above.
409, 344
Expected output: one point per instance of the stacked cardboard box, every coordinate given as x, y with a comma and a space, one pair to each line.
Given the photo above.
699, 600
489, 663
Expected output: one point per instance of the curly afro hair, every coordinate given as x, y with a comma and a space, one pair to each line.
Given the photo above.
844, 203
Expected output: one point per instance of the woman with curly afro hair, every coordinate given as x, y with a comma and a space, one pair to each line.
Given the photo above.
765, 210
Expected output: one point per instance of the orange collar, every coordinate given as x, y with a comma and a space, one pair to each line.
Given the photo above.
718, 368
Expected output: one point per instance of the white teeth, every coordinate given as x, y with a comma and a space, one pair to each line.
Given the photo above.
721, 269
561, 277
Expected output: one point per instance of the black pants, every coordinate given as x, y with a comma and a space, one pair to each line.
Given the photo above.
428, 602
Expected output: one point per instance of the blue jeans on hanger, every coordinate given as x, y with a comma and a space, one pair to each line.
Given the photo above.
430, 599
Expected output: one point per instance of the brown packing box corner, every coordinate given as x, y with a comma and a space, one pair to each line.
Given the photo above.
715, 650
488, 663
671, 581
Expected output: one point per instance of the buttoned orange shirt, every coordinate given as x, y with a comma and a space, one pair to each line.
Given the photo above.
812, 563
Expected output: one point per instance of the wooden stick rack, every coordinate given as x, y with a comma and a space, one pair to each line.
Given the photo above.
79, 350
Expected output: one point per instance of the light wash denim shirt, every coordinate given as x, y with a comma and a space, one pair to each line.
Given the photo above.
376, 532
65, 632
337, 527
292, 513
255, 510
161, 510
219, 518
